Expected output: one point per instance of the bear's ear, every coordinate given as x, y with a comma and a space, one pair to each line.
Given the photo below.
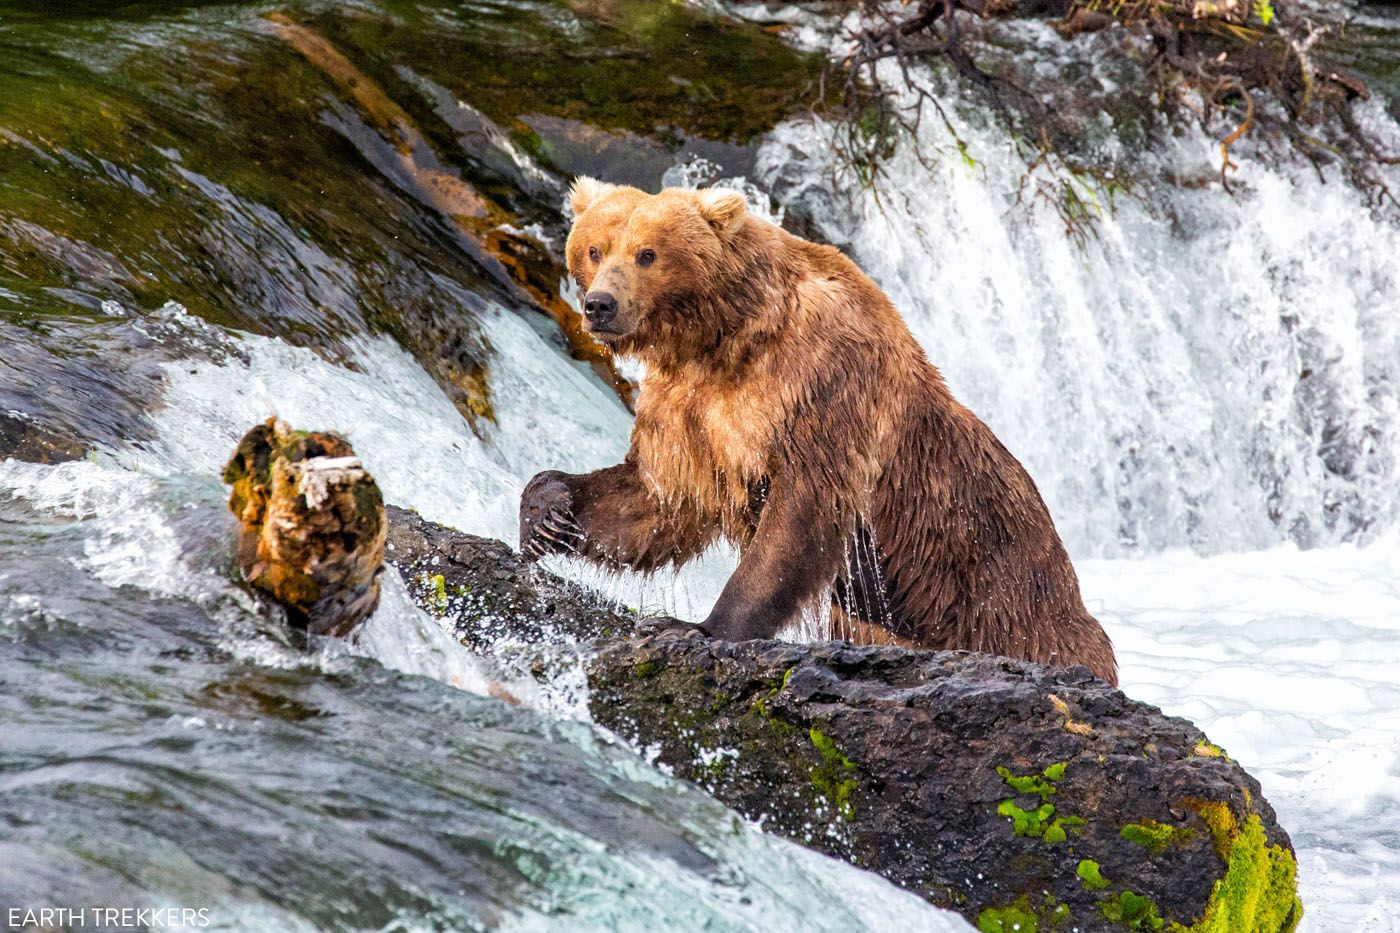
721, 207
587, 190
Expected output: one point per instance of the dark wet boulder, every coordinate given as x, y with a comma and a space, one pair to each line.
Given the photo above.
21, 438
1024, 797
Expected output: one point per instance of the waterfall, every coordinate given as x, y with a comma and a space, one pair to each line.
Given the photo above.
1202, 369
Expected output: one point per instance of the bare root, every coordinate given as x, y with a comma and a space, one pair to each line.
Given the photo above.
1258, 56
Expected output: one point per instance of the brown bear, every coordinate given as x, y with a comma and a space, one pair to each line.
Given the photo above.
787, 408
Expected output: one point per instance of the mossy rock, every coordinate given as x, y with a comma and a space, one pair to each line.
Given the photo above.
997, 788
953, 774
311, 526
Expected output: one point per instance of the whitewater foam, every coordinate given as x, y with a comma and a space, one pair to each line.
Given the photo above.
549, 415
1290, 661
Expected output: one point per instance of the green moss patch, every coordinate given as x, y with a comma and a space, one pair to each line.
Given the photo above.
1155, 837
1040, 822
1090, 876
1040, 785
760, 706
1132, 911
1023, 917
1027, 822
1012, 919
834, 779
1260, 890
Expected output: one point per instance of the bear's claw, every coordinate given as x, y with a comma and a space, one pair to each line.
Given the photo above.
547, 524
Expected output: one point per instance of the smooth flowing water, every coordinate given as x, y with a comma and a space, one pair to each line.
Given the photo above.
349, 214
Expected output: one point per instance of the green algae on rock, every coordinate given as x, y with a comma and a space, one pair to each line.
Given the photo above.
1154, 836
1020, 917
1090, 876
1260, 887
1037, 823
835, 779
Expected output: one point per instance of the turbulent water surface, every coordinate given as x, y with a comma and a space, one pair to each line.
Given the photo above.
349, 214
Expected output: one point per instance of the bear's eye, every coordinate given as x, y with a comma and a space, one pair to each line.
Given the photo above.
646, 257
595, 254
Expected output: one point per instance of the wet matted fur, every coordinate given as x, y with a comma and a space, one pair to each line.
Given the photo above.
787, 408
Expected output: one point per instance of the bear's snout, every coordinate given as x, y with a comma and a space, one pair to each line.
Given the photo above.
600, 308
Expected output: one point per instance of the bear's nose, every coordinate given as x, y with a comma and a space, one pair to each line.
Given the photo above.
599, 308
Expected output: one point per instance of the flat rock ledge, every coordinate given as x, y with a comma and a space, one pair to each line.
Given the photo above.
1026, 798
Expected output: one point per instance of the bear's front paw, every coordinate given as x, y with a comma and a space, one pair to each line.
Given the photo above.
547, 523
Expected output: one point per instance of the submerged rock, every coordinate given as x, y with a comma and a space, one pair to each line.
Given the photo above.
313, 525
1024, 797
23, 439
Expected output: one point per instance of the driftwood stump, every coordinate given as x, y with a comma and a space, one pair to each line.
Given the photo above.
313, 526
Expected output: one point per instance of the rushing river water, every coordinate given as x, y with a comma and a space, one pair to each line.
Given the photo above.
348, 214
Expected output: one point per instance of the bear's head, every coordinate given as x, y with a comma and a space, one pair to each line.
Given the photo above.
650, 265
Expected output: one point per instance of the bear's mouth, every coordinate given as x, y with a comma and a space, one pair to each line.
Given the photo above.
606, 335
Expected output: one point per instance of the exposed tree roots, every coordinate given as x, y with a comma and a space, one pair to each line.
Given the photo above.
1249, 70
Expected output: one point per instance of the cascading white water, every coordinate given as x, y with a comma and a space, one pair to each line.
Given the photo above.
1208, 370
420, 449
